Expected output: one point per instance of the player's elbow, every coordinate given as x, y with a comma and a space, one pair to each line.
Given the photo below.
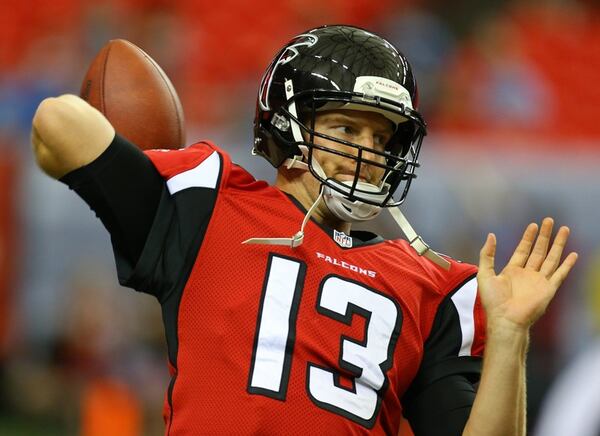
42, 125
53, 115
68, 133
43, 114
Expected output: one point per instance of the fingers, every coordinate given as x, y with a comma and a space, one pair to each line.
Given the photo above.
562, 272
487, 255
553, 258
539, 258
540, 249
521, 254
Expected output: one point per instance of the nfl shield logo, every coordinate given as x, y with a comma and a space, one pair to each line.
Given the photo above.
342, 239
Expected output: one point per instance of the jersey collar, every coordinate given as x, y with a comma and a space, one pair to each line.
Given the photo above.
356, 238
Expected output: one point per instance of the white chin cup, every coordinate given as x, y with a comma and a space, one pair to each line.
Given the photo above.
349, 210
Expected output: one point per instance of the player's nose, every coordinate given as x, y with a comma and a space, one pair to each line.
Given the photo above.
366, 139
369, 142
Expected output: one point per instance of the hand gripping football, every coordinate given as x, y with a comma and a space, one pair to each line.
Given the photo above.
136, 96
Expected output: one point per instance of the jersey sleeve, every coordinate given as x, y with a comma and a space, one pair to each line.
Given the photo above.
156, 206
446, 382
192, 176
455, 343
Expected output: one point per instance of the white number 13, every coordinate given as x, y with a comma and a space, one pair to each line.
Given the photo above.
339, 299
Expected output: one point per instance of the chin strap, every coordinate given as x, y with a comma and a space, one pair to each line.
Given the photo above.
416, 241
294, 241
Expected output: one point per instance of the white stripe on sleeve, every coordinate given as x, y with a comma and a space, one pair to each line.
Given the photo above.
205, 175
464, 301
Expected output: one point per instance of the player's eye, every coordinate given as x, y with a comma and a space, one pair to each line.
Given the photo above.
381, 140
344, 130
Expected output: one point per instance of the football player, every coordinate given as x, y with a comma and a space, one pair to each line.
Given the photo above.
279, 318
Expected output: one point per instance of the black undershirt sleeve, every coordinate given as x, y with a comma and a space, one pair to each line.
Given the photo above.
123, 188
439, 399
443, 407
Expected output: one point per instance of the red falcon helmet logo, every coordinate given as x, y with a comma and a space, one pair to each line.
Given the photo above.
286, 55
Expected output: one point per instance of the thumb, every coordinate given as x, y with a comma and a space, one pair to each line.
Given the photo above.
486, 257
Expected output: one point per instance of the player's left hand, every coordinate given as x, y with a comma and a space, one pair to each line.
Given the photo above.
521, 292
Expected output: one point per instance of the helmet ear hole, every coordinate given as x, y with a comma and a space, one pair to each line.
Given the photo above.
280, 122
269, 143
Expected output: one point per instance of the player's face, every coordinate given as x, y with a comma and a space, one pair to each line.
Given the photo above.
370, 130
367, 129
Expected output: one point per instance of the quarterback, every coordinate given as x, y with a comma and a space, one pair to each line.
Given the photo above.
279, 318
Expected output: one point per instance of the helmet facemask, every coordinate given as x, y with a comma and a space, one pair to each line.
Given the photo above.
355, 199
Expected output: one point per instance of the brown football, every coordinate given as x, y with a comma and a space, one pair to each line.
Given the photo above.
136, 96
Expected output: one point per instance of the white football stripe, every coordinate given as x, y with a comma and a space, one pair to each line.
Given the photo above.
205, 175
464, 301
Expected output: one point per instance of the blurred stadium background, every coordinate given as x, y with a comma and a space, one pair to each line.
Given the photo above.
510, 92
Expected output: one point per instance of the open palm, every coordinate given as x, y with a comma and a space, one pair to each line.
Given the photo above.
521, 292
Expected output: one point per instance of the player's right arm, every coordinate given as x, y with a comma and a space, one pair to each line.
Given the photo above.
75, 143
155, 230
67, 133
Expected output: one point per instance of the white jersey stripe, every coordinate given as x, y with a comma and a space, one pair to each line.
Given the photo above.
205, 175
464, 301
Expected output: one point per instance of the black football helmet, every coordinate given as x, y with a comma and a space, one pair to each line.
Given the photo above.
340, 67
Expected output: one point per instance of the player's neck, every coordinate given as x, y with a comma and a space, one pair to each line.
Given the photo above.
305, 189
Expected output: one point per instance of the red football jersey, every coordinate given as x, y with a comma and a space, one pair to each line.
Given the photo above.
325, 338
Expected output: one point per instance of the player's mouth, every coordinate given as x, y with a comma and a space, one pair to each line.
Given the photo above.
350, 176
